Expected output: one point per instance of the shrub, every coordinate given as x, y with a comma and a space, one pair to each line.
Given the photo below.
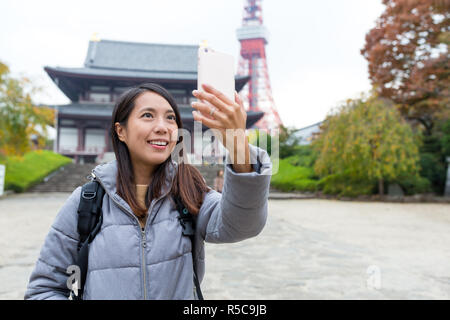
304, 156
293, 178
346, 185
414, 184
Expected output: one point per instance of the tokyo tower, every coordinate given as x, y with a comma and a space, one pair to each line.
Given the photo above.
257, 93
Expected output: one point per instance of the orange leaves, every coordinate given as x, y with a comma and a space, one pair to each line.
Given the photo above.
406, 57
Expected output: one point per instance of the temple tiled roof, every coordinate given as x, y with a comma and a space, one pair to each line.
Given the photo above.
143, 57
130, 63
136, 60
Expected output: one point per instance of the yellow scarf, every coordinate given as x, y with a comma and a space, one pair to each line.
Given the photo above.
141, 192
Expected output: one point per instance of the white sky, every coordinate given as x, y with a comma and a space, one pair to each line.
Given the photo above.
313, 53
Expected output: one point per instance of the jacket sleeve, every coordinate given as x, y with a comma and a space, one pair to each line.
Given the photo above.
240, 211
49, 277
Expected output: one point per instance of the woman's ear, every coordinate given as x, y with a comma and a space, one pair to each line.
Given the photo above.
120, 131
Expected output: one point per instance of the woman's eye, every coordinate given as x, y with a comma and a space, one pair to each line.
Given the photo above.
148, 114
171, 117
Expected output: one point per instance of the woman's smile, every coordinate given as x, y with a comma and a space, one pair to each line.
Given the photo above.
158, 144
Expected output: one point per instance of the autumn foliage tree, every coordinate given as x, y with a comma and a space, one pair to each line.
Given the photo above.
408, 58
19, 117
366, 141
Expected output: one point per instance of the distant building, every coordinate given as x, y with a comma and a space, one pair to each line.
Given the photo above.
307, 134
109, 69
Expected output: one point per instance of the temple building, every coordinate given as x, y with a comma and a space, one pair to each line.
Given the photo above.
109, 69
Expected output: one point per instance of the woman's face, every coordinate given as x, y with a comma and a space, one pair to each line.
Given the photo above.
151, 130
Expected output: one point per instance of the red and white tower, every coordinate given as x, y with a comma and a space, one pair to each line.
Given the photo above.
257, 93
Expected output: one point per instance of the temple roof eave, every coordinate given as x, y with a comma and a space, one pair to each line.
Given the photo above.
69, 79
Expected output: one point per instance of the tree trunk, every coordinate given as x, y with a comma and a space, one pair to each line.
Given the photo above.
381, 186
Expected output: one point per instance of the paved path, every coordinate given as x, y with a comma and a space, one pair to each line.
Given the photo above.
309, 249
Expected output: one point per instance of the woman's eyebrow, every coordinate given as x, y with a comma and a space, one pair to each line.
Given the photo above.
154, 110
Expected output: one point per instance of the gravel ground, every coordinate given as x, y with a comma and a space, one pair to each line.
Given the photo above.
309, 249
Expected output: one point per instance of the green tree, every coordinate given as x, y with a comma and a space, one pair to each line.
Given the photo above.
289, 142
445, 138
367, 140
19, 117
433, 153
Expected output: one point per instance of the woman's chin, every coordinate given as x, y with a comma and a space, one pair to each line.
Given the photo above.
157, 159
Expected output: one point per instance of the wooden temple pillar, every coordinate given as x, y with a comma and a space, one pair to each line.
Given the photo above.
81, 141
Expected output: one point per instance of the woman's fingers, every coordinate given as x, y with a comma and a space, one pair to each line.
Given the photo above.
210, 123
229, 115
241, 108
218, 94
206, 110
214, 100
238, 100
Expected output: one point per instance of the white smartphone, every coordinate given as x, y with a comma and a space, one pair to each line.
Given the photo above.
216, 69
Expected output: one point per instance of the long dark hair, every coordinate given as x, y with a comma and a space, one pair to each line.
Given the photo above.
188, 183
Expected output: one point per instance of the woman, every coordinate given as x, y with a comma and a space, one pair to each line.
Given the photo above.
140, 252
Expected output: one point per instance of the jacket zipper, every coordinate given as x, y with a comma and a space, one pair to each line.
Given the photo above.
143, 262
144, 244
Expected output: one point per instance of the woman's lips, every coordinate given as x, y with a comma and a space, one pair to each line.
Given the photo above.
158, 146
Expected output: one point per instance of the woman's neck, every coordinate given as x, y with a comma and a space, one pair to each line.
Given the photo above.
142, 173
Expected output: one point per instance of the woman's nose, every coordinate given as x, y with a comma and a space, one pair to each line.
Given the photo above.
160, 126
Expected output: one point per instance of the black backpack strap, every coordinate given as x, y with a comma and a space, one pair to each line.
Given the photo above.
187, 222
89, 223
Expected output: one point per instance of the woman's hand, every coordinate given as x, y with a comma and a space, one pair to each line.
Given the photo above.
229, 119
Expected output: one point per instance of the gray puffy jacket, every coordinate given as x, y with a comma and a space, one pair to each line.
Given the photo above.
128, 263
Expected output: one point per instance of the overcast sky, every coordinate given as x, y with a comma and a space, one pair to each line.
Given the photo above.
313, 53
